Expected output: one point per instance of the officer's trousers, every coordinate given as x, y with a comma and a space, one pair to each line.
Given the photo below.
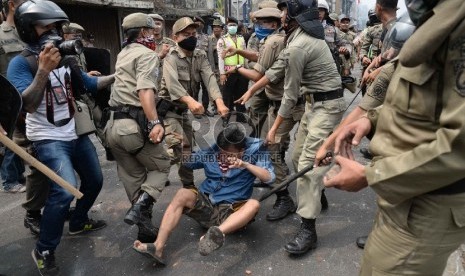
258, 112
179, 139
282, 140
415, 237
316, 124
141, 164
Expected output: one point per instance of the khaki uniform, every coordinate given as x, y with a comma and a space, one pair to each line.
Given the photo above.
310, 71
202, 41
269, 53
417, 171
331, 36
141, 165
376, 92
258, 103
371, 45
10, 45
212, 53
347, 61
181, 77
160, 43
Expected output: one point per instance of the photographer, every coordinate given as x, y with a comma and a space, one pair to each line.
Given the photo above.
48, 85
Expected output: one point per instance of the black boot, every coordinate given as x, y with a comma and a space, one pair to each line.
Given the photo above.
324, 201
141, 214
283, 206
32, 221
361, 241
305, 239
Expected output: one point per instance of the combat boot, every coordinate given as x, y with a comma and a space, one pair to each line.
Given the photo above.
32, 221
305, 239
141, 215
283, 206
324, 201
361, 241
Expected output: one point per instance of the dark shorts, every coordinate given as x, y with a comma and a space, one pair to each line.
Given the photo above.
207, 214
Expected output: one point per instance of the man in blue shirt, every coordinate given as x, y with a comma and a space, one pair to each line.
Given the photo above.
223, 203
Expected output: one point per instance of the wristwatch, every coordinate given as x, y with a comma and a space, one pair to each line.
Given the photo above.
238, 67
152, 123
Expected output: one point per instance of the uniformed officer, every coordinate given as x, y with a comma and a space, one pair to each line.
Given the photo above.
310, 71
184, 67
212, 51
418, 145
346, 52
74, 31
258, 104
371, 44
235, 84
268, 20
163, 44
331, 33
202, 44
143, 164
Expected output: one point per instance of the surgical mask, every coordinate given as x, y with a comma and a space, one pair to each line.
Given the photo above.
188, 43
232, 30
261, 33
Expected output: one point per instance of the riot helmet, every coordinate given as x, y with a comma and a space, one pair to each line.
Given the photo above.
372, 17
305, 12
37, 12
418, 9
322, 4
396, 37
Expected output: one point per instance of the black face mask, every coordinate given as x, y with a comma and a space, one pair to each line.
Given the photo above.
51, 36
189, 43
419, 9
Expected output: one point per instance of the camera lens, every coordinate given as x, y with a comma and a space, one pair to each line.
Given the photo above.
71, 47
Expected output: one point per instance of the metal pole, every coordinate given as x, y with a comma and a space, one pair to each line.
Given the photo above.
237, 9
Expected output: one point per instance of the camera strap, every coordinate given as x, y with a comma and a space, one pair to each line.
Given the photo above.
49, 100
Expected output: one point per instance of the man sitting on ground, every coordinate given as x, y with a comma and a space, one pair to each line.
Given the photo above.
222, 204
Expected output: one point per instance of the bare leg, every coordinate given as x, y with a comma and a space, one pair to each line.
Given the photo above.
183, 198
241, 217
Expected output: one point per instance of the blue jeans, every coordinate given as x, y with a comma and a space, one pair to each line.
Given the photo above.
65, 157
12, 169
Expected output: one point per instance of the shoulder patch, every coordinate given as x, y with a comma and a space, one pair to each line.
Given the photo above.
459, 65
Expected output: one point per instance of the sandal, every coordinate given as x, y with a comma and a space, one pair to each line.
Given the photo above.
211, 241
150, 252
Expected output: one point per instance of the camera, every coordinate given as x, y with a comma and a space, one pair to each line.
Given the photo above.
68, 47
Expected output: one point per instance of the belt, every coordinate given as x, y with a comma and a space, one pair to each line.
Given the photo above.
178, 110
327, 96
120, 115
277, 104
457, 187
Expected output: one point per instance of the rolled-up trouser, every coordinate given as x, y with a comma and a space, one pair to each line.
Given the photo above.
258, 112
316, 124
415, 237
177, 126
141, 164
282, 139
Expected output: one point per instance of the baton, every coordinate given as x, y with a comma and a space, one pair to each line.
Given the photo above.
39, 166
291, 179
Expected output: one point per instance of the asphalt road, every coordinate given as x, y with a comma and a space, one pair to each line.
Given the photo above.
257, 250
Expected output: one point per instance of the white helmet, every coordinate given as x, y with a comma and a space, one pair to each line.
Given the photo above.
323, 5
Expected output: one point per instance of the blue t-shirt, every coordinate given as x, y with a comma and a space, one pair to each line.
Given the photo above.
236, 184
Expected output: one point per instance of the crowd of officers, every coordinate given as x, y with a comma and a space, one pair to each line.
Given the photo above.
292, 70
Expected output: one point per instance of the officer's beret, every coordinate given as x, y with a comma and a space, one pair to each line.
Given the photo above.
334, 16
156, 16
217, 22
267, 12
267, 4
183, 23
138, 20
199, 19
231, 19
72, 28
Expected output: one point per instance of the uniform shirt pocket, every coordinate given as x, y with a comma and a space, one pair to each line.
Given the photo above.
421, 82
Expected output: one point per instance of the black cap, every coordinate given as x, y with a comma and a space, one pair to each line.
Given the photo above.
231, 19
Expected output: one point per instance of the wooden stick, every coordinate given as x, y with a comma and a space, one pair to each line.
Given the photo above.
38, 165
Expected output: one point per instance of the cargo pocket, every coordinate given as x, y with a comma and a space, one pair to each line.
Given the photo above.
129, 135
